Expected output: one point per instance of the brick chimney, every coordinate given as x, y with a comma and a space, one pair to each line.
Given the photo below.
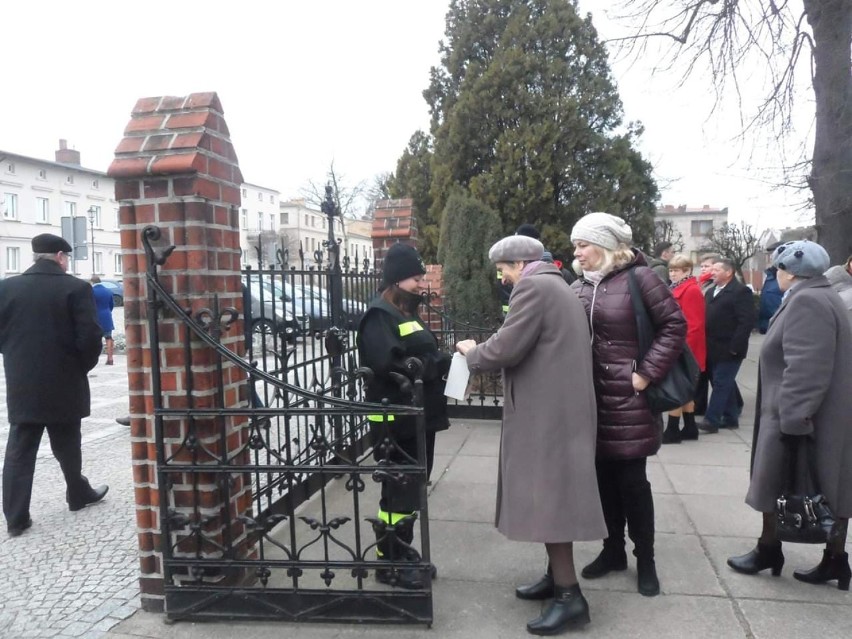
64, 155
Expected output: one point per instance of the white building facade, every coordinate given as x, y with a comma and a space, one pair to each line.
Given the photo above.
305, 227
693, 224
36, 194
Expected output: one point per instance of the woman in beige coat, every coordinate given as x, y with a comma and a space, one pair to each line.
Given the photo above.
547, 488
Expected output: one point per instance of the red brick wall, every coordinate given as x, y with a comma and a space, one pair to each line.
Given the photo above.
176, 168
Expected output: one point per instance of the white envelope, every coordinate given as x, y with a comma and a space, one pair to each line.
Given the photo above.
457, 378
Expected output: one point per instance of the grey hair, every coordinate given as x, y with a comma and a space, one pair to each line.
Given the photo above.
44, 256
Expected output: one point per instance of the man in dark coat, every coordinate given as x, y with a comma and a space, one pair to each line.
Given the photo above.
50, 339
729, 322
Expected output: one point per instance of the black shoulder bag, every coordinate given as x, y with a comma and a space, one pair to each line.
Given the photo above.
803, 518
678, 386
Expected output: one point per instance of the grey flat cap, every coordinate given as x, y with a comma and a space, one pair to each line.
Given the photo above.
516, 248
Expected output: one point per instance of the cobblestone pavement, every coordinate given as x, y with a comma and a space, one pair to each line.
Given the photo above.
75, 574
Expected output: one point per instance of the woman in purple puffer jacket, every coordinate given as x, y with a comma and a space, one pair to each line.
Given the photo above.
628, 432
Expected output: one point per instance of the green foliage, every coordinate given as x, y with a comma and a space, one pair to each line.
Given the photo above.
527, 119
468, 230
413, 179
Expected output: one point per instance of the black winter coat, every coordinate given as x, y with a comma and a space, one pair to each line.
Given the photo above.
50, 340
729, 321
626, 427
384, 350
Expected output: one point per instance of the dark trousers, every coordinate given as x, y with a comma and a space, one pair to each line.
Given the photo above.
626, 498
723, 408
404, 496
20, 461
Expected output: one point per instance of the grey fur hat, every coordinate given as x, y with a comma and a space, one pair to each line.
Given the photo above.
801, 258
516, 248
602, 229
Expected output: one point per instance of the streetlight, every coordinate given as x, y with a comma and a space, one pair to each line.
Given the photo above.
92, 212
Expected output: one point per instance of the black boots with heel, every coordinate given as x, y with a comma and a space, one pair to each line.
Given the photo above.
832, 566
672, 433
539, 590
690, 428
569, 609
762, 557
647, 582
612, 558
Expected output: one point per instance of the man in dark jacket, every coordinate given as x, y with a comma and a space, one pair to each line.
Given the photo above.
730, 319
50, 339
770, 295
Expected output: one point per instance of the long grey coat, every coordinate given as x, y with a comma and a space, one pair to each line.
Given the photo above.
805, 368
547, 490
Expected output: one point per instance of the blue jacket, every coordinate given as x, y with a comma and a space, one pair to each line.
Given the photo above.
770, 299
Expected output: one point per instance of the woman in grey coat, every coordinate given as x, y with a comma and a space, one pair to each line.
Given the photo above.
547, 490
805, 368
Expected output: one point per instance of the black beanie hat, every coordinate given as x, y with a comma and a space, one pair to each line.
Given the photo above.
529, 230
401, 262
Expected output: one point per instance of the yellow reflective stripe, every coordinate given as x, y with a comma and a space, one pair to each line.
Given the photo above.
505, 308
407, 328
380, 418
499, 275
392, 518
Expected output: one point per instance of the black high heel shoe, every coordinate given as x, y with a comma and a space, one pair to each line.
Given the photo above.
830, 568
762, 557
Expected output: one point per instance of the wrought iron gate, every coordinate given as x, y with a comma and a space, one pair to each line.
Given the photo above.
280, 543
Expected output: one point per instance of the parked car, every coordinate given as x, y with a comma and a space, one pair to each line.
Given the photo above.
116, 287
270, 316
302, 302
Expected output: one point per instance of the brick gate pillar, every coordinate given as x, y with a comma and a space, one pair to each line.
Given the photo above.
176, 168
393, 222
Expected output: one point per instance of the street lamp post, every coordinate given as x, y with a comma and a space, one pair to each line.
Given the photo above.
92, 211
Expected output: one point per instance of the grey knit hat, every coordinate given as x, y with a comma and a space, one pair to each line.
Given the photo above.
516, 248
602, 229
801, 258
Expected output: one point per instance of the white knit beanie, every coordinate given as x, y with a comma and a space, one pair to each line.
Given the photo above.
602, 229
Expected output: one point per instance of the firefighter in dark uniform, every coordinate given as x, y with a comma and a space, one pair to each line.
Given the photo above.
389, 333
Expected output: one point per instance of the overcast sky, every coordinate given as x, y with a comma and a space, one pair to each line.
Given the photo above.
305, 83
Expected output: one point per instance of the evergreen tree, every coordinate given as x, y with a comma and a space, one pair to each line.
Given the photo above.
468, 230
526, 117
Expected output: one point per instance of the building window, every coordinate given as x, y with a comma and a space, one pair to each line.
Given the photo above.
702, 228
96, 184
13, 259
95, 217
69, 179
98, 263
119, 267
10, 168
272, 221
71, 209
116, 219
285, 219
42, 174
245, 193
306, 220
42, 210
323, 223
244, 219
260, 197
259, 221
10, 206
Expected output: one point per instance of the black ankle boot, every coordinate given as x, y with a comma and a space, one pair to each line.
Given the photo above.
690, 428
610, 559
647, 582
568, 610
672, 433
830, 568
541, 589
762, 557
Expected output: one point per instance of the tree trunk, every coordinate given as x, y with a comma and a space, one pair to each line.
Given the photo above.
831, 173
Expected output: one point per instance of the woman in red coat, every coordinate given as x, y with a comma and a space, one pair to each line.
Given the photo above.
687, 292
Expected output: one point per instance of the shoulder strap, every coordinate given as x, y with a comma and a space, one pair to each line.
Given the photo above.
644, 327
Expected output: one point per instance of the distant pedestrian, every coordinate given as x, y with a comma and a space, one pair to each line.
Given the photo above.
729, 321
659, 263
770, 294
50, 339
688, 295
104, 304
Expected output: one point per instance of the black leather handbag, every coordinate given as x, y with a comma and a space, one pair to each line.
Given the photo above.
678, 386
803, 517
